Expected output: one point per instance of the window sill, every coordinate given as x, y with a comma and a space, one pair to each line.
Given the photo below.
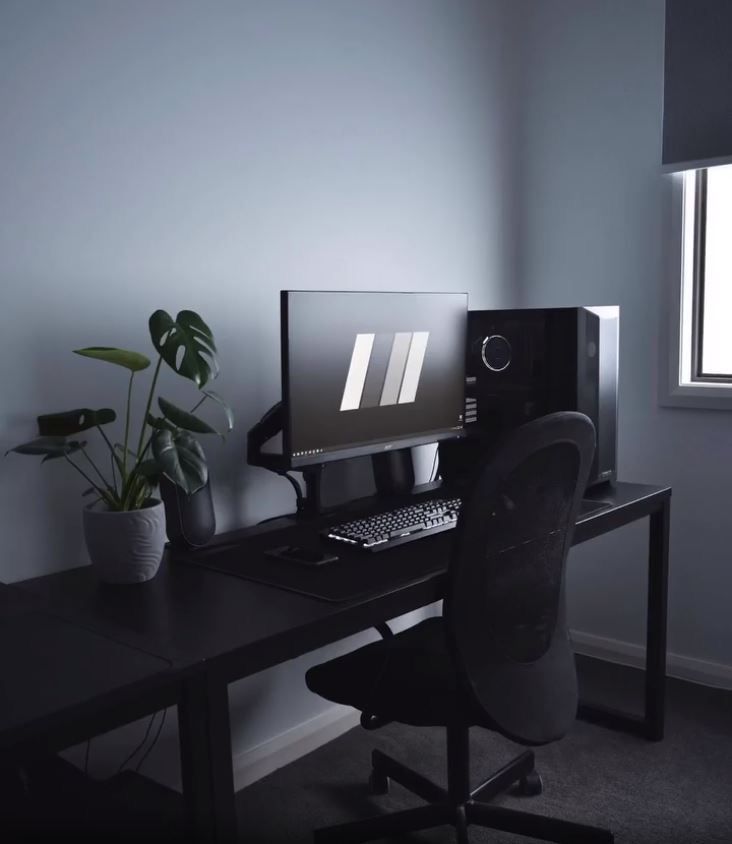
701, 396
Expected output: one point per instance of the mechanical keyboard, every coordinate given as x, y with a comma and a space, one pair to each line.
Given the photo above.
395, 527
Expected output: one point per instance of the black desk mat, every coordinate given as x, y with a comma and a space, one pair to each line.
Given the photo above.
356, 575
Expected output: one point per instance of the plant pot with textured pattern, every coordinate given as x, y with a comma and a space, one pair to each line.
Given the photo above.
125, 546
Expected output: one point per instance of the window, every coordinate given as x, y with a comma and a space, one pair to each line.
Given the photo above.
700, 351
711, 351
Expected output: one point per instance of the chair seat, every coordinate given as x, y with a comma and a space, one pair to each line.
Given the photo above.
409, 677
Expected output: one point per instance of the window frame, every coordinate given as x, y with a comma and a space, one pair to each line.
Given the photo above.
699, 280
681, 383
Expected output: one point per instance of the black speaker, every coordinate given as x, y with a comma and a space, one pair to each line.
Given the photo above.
189, 519
393, 471
525, 363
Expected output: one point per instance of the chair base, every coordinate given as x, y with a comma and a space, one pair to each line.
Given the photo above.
458, 810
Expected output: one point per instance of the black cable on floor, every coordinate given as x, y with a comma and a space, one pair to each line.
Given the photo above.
154, 742
140, 745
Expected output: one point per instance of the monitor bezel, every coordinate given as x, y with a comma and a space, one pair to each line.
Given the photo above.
360, 449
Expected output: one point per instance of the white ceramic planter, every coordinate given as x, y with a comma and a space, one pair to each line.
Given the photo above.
125, 547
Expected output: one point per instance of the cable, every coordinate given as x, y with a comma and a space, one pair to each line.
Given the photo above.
154, 742
140, 745
296, 487
298, 495
86, 758
280, 516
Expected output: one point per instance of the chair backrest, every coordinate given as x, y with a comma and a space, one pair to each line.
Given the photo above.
504, 607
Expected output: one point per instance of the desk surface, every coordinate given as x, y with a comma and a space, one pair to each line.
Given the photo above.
188, 614
55, 672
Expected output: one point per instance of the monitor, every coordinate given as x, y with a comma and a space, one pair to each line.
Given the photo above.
367, 372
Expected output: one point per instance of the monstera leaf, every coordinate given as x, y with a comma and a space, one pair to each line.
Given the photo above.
73, 421
183, 419
50, 447
180, 458
228, 412
186, 344
159, 422
133, 361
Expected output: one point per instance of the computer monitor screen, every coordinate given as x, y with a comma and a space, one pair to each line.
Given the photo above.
363, 373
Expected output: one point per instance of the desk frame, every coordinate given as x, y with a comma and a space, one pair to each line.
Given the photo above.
651, 724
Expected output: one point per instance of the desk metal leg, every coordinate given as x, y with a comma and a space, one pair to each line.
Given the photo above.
651, 724
205, 755
656, 625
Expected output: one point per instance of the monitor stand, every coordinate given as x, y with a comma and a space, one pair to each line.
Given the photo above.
310, 504
393, 472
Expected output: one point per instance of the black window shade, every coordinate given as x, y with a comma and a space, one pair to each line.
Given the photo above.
697, 116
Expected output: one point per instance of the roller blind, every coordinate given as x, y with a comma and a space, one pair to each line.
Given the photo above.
697, 96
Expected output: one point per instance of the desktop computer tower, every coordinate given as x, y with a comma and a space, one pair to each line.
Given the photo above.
522, 364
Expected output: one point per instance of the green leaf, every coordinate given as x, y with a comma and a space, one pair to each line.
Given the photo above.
137, 492
190, 334
71, 447
181, 459
133, 361
73, 421
158, 423
148, 469
184, 419
50, 447
229, 413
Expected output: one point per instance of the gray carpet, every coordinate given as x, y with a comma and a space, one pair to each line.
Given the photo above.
678, 791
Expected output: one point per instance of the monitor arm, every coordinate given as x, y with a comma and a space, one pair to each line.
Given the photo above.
261, 433
393, 470
309, 503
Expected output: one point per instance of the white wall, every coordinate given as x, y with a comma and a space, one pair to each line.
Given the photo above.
592, 206
188, 154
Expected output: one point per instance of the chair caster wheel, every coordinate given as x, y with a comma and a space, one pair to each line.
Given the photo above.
530, 786
378, 783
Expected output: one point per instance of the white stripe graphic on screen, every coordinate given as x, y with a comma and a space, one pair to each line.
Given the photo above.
357, 371
413, 369
395, 368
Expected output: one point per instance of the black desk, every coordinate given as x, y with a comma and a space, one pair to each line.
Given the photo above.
61, 683
215, 628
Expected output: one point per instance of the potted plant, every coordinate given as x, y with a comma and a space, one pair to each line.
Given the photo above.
124, 526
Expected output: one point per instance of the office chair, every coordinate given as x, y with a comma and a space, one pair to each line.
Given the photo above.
499, 657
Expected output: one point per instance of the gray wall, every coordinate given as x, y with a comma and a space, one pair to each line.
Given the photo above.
205, 155
181, 154
592, 203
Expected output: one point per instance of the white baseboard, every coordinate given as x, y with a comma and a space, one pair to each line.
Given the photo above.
626, 653
280, 750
